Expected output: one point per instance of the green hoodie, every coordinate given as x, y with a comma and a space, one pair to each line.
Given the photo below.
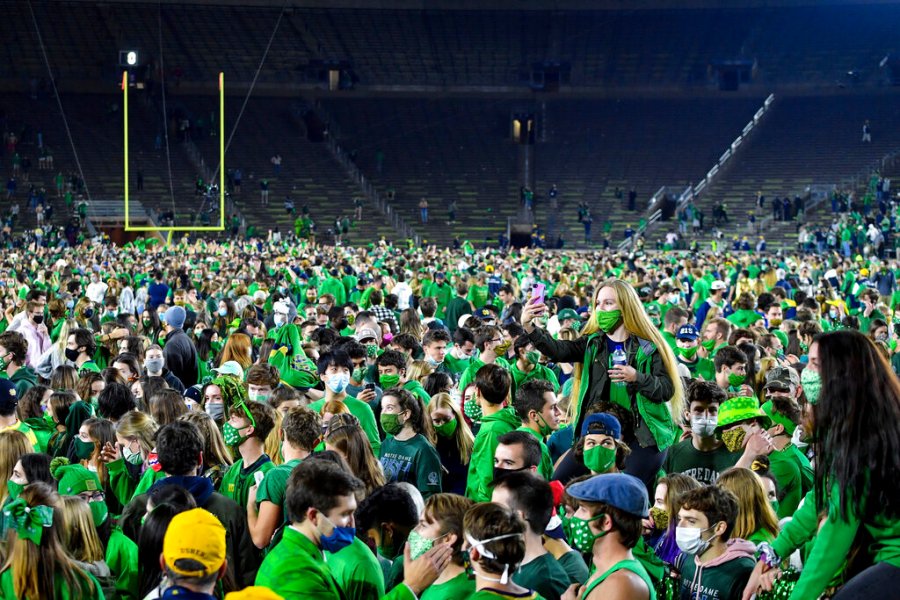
481, 465
24, 379
744, 317
415, 388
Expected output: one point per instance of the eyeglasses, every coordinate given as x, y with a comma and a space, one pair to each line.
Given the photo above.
92, 496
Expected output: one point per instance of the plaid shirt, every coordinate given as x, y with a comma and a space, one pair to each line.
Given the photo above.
386, 315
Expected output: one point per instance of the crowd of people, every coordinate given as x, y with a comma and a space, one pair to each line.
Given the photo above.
261, 419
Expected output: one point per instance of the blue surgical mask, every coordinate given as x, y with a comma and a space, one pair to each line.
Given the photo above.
339, 539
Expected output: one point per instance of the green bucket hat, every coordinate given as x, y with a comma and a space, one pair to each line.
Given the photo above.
742, 408
778, 418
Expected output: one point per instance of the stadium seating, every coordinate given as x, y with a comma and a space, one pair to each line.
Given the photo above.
460, 148
805, 140
670, 48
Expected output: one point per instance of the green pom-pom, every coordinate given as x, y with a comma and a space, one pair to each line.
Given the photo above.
57, 465
783, 586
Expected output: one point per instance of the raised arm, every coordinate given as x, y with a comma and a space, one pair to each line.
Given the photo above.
557, 350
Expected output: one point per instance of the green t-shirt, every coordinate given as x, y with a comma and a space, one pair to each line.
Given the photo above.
454, 589
544, 575
702, 368
274, 484
361, 411
237, 481
705, 467
414, 460
574, 566
357, 571
456, 366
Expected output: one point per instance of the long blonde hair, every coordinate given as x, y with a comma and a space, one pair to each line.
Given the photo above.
463, 435
13, 445
36, 568
754, 510
638, 324
78, 530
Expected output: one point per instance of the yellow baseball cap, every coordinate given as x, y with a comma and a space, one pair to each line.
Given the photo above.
254, 592
194, 537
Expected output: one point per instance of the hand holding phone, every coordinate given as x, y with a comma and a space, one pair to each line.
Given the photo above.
537, 293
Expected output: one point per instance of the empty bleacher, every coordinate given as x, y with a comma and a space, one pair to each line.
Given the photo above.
805, 140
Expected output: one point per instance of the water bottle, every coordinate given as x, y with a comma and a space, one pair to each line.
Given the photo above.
619, 358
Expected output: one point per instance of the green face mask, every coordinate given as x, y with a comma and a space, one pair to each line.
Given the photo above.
371, 350
709, 345
812, 384
358, 374
599, 459
734, 439
447, 429
389, 381
582, 537
232, 435
49, 419
775, 505
688, 353
544, 428
100, 512
14, 489
147, 323
391, 423
83, 450
472, 409
533, 357
735, 380
608, 320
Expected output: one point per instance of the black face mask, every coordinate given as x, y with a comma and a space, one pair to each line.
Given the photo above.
88, 313
500, 473
38, 319
72, 355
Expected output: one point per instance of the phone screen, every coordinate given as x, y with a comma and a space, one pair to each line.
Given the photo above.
537, 293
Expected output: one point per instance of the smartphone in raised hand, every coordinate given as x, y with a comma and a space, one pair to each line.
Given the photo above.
537, 293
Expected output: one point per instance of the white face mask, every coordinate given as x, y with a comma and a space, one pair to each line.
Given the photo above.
689, 540
473, 543
338, 382
279, 319
705, 427
797, 438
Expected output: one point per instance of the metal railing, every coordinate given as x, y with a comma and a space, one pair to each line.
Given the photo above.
368, 189
654, 212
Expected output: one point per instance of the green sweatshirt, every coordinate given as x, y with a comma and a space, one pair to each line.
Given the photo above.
481, 465
476, 363
833, 542
122, 559
357, 571
7, 590
415, 388
794, 475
